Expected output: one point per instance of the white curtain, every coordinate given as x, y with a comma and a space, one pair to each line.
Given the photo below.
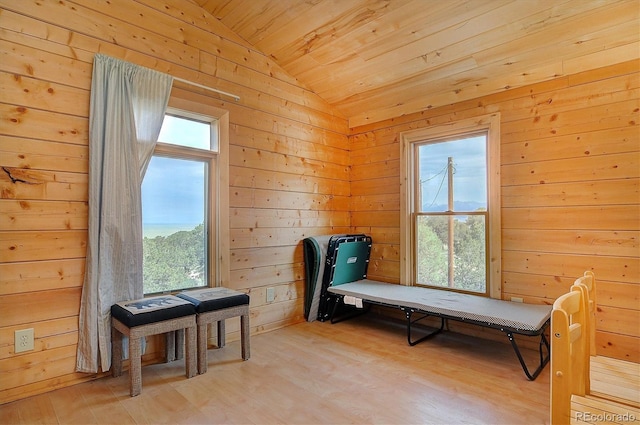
128, 103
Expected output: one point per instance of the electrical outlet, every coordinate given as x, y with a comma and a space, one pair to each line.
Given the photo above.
271, 294
24, 340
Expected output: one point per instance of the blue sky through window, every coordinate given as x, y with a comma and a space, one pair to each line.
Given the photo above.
173, 192
470, 174
184, 132
173, 189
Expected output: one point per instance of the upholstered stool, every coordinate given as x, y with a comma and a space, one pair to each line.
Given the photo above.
216, 305
150, 316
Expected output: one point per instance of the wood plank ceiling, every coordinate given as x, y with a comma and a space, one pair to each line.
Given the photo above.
380, 59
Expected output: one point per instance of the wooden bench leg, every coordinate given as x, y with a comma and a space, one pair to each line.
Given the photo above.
244, 336
221, 333
135, 366
179, 338
170, 346
192, 350
174, 345
116, 353
202, 348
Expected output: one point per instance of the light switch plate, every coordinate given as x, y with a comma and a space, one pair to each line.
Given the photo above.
271, 294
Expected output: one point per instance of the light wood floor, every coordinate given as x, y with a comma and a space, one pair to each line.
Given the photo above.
616, 380
356, 372
614, 396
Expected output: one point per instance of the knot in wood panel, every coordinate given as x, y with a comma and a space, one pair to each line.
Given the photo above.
15, 179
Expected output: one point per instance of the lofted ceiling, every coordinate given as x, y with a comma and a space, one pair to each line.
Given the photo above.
379, 59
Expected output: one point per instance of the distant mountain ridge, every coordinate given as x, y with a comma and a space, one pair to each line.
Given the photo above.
458, 206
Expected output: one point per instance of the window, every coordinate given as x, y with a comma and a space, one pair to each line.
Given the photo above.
177, 200
451, 207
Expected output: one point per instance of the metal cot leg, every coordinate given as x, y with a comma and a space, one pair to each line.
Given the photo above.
408, 313
544, 359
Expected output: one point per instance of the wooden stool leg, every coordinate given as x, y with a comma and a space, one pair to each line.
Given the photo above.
179, 342
221, 333
202, 348
191, 350
135, 366
116, 353
170, 346
244, 336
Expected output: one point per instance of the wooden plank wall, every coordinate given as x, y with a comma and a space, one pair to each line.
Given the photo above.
570, 170
289, 171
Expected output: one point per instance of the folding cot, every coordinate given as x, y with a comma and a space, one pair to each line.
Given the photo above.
344, 260
320, 269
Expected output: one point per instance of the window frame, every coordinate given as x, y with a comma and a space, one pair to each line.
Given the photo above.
185, 104
408, 192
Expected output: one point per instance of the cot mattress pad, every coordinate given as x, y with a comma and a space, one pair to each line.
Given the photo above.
512, 315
